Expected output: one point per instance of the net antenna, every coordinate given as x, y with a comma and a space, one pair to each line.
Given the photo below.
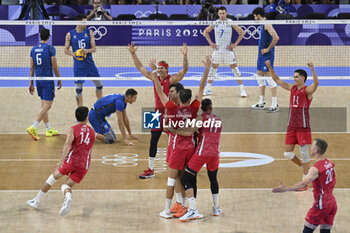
35, 6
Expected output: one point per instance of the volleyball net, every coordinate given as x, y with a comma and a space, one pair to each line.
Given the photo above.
323, 42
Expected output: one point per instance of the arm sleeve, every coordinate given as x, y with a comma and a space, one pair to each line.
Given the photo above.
119, 105
52, 51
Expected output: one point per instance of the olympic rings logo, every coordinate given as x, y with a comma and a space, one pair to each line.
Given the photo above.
100, 32
251, 32
121, 160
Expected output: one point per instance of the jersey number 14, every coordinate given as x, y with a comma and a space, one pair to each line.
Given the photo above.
86, 140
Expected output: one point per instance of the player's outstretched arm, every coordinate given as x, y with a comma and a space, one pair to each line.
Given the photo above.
132, 49
67, 46
127, 125
206, 32
66, 146
311, 176
31, 74
310, 90
159, 88
275, 77
181, 74
207, 64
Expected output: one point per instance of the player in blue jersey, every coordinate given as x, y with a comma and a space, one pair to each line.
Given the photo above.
42, 61
268, 40
83, 38
114, 103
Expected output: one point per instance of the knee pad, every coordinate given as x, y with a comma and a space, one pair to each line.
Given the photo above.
236, 72
98, 85
261, 82
51, 180
212, 74
289, 155
171, 182
64, 187
110, 137
79, 89
271, 83
304, 153
188, 180
308, 230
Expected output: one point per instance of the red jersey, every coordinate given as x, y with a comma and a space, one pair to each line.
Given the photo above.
299, 108
209, 136
178, 114
323, 186
80, 152
165, 86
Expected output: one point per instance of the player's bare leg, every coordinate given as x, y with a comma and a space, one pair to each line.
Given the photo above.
42, 115
99, 94
67, 192
236, 73
99, 87
289, 149
261, 105
180, 206
79, 100
273, 87
211, 77
172, 176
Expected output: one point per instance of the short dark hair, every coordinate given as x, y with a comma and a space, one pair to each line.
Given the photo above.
321, 145
259, 11
178, 86
206, 104
185, 95
44, 34
131, 92
80, 17
302, 73
81, 113
222, 8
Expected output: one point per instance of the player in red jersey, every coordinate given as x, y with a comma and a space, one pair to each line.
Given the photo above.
299, 131
75, 160
181, 148
165, 80
322, 176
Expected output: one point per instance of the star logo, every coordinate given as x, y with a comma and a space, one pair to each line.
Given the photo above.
155, 115
151, 120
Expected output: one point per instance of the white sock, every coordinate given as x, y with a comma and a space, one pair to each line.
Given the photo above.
216, 200
179, 198
35, 124
208, 86
241, 86
192, 202
68, 195
167, 205
184, 203
212, 73
48, 126
262, 99
151, 163
39, 196
274, 101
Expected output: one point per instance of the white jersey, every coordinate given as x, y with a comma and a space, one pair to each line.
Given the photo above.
223, 34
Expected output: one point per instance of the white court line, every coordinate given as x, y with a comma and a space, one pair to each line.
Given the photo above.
149, 190
223, 159
258, 133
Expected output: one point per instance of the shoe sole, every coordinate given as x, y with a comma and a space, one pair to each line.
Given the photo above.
146, 177
166, 217
259, 108
33, 206
243, 96
65, 211
31, 134
216, 215
200, 216
272, 111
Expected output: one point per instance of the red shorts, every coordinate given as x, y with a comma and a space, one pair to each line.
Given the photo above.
316, 216
197, 162
75, 173
298, 136
179, 158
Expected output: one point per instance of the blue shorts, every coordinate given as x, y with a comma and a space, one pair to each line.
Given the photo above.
261, 62
46, 89
99, 124
83, 72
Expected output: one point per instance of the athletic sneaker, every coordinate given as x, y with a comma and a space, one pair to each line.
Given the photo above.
180, 212
147, 174
33, 203
217, 211
66, 206
273, 109
33, 132
51, 132
303, 189
191, 215
207, 91
175, 207
259, 106
243, 93
165, 214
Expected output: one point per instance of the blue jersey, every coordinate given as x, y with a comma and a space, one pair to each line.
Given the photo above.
41, 54
264, 42
109, 104
81, 41
280, 7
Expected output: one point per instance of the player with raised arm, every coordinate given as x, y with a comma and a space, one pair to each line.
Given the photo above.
165, 80
83, 45
322, 177
75, 160
266, 51
42, 62
299, 131
223, 48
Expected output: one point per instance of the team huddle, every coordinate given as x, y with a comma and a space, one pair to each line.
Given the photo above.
189, 148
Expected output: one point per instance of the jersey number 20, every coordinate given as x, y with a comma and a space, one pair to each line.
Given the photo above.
329, 173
